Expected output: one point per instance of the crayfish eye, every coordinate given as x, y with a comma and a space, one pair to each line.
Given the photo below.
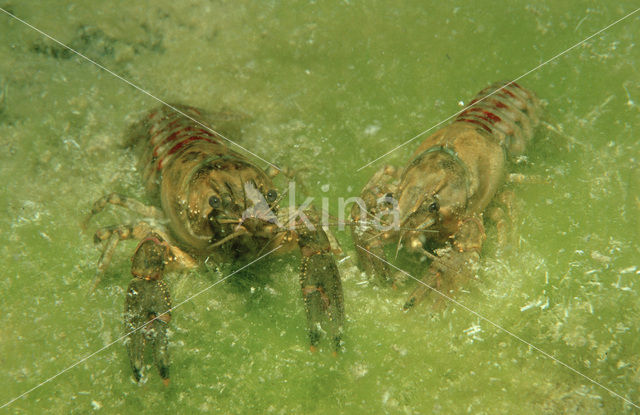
434, 207
272, 195
214, 202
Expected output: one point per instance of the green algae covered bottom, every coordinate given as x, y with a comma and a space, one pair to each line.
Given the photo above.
323, 88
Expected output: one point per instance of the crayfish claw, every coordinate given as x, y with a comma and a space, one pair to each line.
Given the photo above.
416, 296
135, 350
369, 259
447, 271
146, 317
321, 288
161, 349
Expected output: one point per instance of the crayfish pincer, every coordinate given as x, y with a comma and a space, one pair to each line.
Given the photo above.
437, 201
209, 203
147, 308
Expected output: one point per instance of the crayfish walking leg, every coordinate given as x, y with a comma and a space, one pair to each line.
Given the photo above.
370, 233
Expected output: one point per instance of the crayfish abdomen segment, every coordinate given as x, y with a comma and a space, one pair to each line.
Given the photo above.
508, 112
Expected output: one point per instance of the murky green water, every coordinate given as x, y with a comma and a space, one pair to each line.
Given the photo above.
325, 89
